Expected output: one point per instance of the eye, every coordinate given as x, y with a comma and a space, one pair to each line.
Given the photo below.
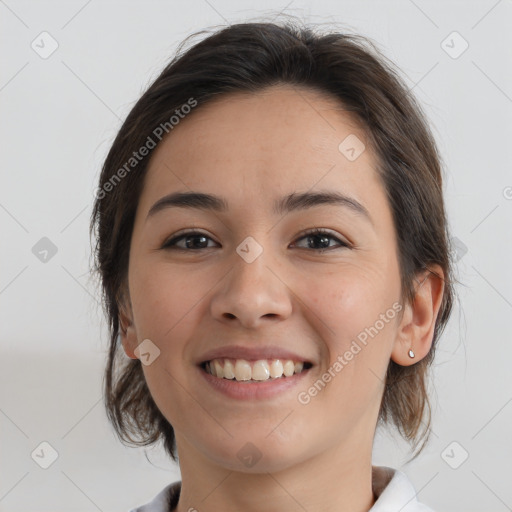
322, 238
193, 240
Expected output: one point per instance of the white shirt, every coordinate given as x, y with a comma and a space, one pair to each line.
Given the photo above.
393, 489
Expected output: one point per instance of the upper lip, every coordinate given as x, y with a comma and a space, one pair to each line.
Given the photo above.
251, 353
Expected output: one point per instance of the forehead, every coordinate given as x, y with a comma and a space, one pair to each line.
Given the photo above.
254, 145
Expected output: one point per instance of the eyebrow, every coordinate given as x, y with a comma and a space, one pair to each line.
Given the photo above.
289, 203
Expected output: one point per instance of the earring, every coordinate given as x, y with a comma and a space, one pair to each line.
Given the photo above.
411, 354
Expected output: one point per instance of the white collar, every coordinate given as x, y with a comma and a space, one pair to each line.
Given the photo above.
392, 488
395, 492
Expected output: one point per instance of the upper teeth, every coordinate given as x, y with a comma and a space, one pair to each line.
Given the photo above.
240, 369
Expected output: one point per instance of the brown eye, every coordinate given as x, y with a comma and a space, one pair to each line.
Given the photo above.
194, 240
319, 240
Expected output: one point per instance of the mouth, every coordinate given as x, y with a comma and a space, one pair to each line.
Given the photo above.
261, 370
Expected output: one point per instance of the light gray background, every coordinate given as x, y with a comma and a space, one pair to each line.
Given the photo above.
58, 117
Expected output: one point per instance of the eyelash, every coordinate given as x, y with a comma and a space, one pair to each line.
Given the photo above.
171, 243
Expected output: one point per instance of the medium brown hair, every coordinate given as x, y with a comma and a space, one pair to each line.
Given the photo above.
249, 57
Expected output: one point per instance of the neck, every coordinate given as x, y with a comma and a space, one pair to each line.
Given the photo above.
337, 481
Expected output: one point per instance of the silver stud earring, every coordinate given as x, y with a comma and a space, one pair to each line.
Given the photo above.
411, 354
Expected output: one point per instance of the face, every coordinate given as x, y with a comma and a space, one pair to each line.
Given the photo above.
252, 282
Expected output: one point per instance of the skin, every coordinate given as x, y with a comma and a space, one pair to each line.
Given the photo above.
252, 149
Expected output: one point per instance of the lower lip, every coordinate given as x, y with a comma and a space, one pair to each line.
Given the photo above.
253, 389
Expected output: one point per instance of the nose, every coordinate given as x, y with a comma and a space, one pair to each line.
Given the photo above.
251, 294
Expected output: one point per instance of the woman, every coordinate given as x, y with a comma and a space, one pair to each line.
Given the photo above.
273, 251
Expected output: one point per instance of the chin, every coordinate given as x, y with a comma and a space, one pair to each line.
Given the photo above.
259, 455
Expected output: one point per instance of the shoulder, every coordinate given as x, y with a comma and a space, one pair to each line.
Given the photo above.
394, 491
165, 501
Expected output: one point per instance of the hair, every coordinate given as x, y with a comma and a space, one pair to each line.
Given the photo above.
249, 57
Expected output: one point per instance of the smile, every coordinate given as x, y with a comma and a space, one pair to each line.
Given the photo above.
242, 370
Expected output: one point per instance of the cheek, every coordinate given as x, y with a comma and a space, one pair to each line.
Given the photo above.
167, 309
355, 317
166, 303
356, 305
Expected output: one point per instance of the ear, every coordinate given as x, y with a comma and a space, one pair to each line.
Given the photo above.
416, 328
127, 329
